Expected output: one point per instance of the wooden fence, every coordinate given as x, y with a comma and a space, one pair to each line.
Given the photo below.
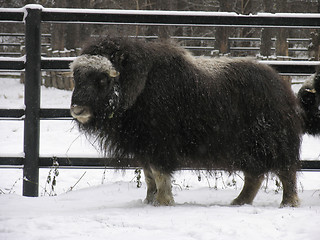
33, 63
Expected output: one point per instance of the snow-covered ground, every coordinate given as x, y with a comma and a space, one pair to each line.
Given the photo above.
106, 204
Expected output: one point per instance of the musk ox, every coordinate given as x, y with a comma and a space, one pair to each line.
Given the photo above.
309, 97
155, 102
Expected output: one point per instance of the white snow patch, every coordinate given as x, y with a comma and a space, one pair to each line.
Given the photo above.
11, 59
30, 6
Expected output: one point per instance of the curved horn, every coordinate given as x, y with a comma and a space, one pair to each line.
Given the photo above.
113, 73
311, 90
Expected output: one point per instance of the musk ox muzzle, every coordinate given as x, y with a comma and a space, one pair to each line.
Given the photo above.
81, 113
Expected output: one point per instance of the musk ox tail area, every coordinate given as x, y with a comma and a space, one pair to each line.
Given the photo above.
309, 97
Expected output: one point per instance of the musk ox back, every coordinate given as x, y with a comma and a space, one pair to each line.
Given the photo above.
155, 102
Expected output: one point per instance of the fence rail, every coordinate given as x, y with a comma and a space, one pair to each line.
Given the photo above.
111, 163
16, 47
32, 63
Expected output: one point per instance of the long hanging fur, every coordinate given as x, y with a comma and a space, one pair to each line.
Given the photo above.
176, 110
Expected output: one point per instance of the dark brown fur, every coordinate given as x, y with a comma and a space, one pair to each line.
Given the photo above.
309, 96
178, 111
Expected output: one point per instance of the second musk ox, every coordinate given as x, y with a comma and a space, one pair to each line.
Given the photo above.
155, 102
309, 97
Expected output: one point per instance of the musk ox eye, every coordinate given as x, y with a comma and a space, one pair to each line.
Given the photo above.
99, 78
103, 81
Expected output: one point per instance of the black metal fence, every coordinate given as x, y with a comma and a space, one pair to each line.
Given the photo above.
32, 63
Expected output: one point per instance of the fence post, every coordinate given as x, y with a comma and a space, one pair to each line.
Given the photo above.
32, 101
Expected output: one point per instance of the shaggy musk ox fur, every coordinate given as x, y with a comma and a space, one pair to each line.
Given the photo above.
156, 102
309, 96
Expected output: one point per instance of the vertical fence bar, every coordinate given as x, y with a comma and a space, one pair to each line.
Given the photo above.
32, 102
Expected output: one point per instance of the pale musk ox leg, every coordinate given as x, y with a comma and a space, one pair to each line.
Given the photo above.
289, 183
163, 196
251, 186
151, 185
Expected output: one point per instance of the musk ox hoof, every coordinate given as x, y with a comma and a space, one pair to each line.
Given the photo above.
163, 200
166, 202
293, 202
240, 202
148, 201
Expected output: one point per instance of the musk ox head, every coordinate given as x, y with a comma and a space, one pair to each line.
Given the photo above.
96, 92
309, 97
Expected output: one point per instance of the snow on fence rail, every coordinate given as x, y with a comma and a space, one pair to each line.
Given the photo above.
32, 63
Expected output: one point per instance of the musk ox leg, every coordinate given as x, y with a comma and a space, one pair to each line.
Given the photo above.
163, 196
151, 185
251, 186
289, 183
